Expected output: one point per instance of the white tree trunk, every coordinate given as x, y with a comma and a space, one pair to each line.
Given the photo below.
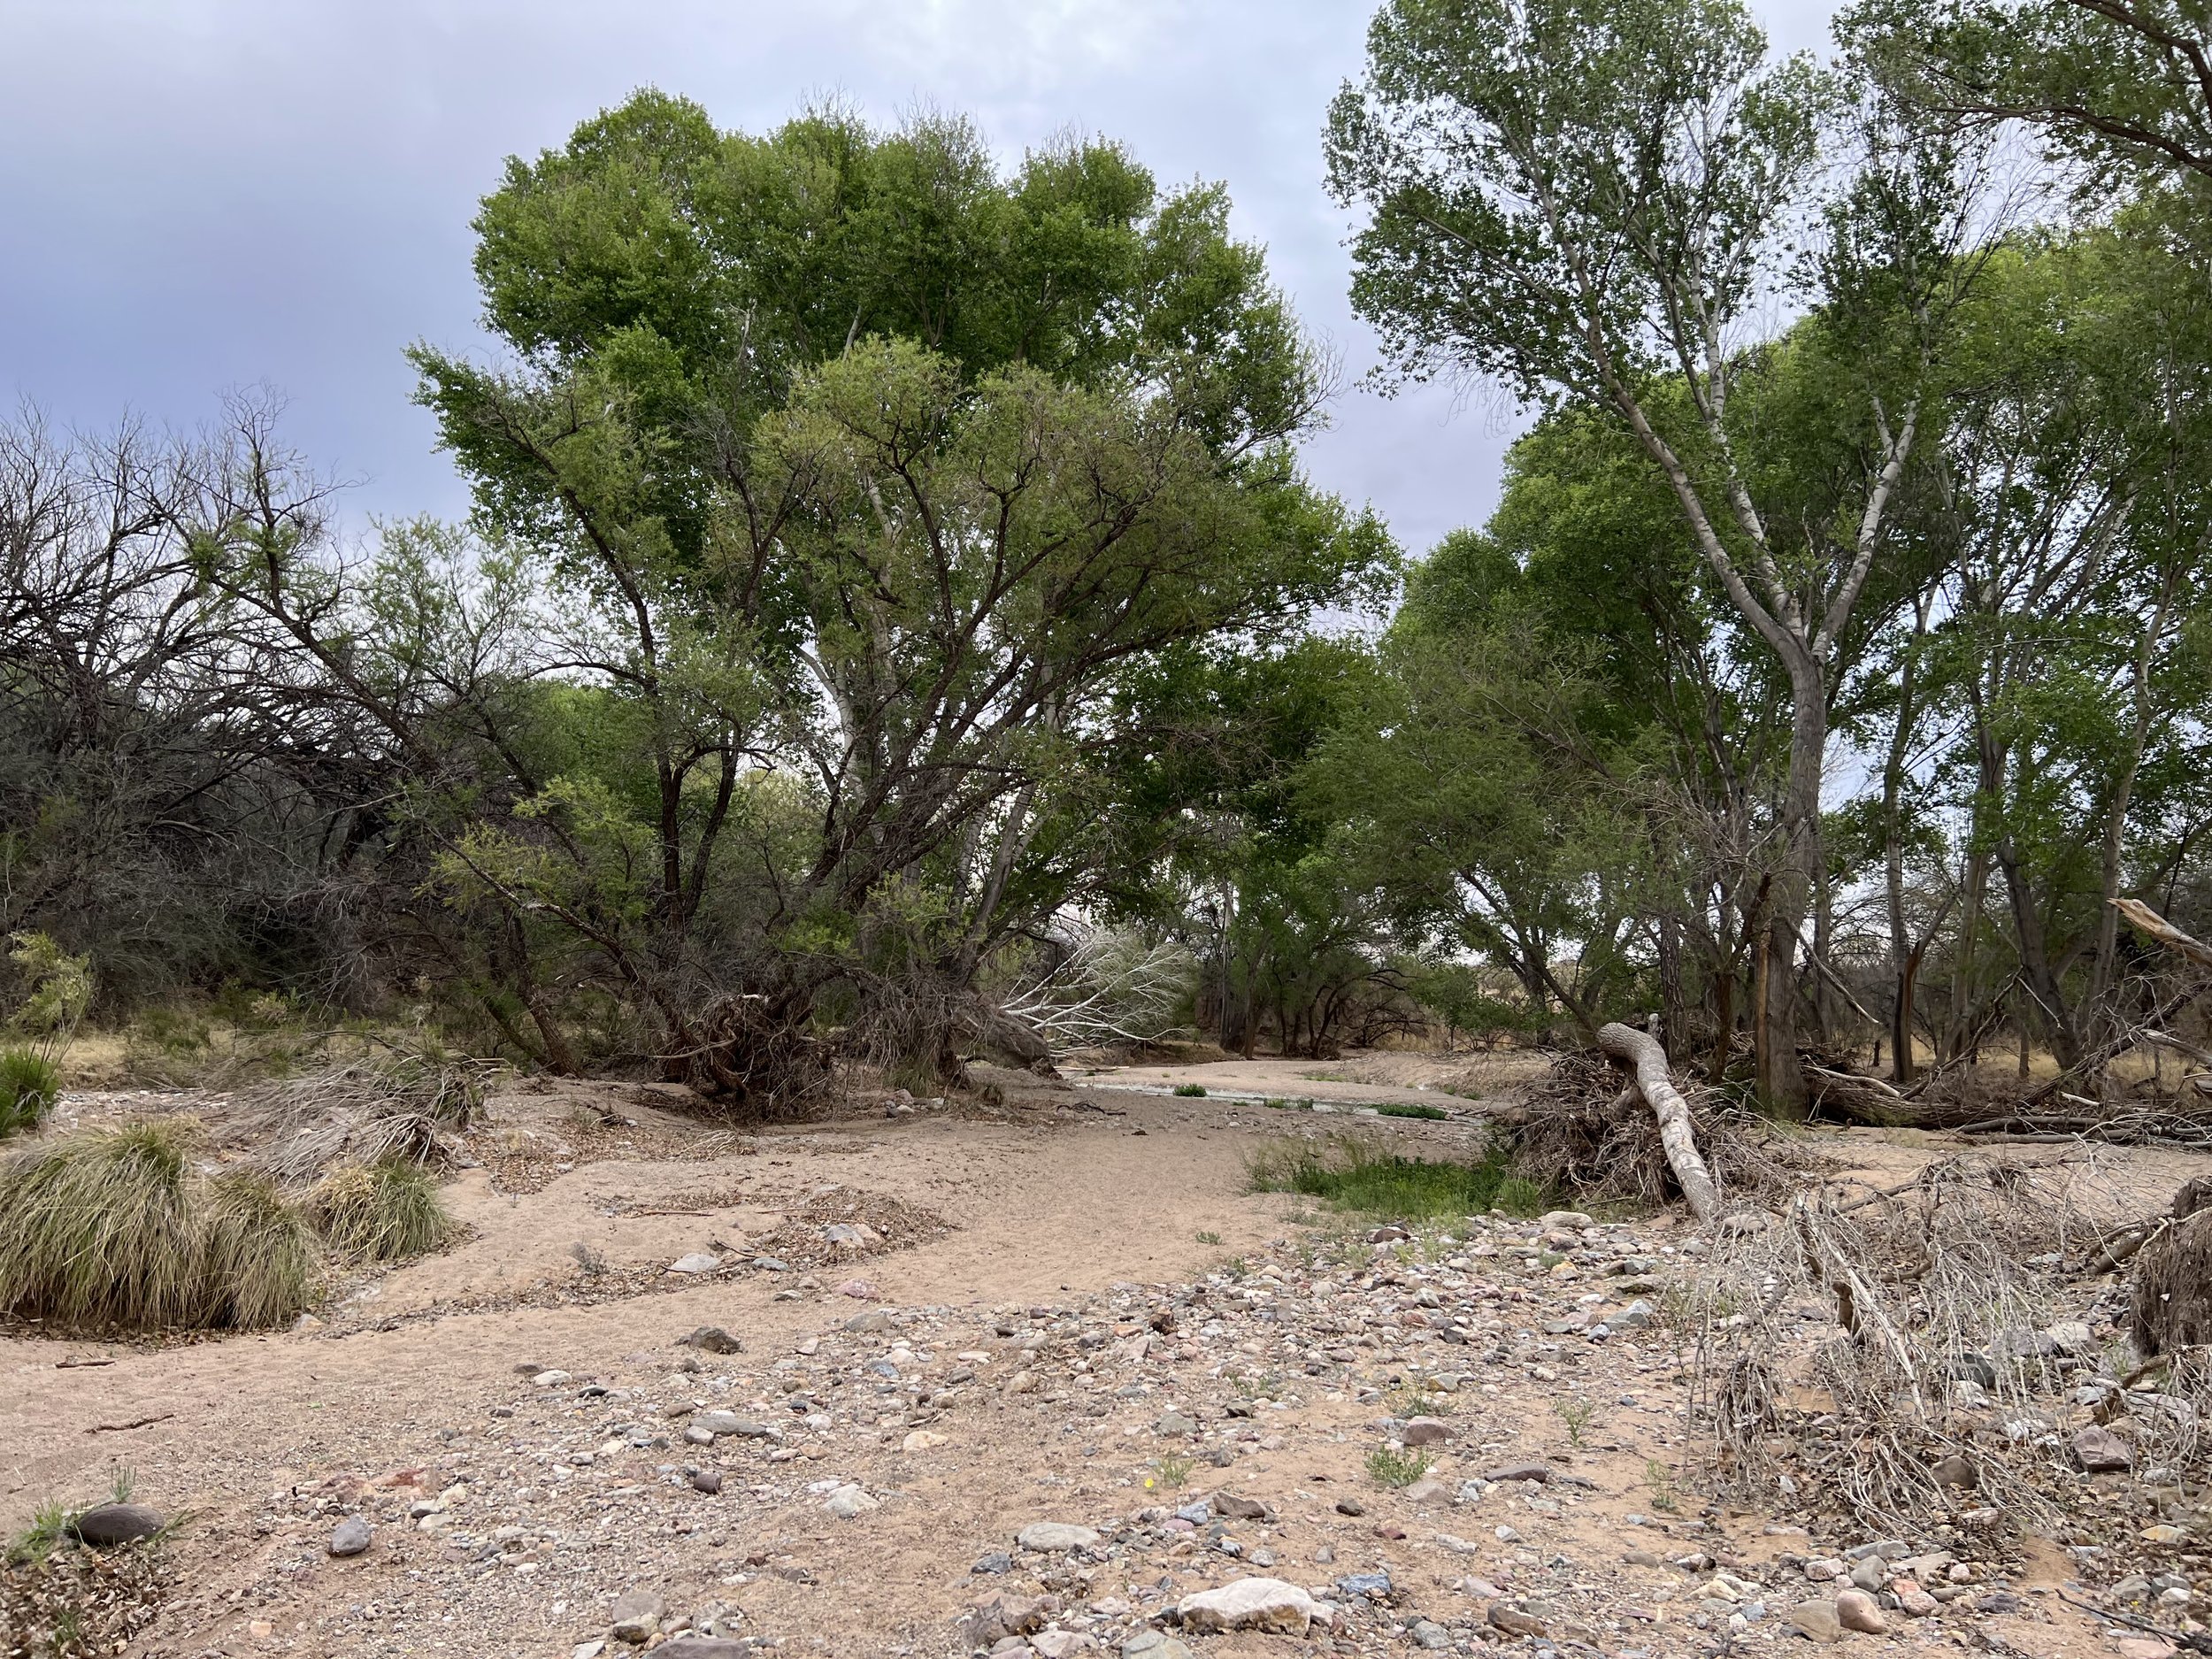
1648, 1061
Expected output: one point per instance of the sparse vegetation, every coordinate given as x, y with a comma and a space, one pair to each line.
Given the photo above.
1172, 1471
1359, 1175
1394, 1469
1209, 1238
1575, 1412
384, 1211
1409, 1109
1191, 1091
29, 1085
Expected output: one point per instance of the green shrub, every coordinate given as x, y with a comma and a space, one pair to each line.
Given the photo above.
29, 1085
386, 1211
1195, 1091
1355, 1174
113, 1229
1396, 1470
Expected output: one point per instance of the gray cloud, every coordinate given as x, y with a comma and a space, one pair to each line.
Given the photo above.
205, 194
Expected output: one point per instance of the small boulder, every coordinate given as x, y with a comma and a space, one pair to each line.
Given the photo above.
706, 1481
1553, 1220
1425, 1432
1260, 1604
1857, 1610
2100, 1451
1155, 1644
697, 1261
351, 1536
107, 1524
1958, 1471
1236, 1508
712, 1338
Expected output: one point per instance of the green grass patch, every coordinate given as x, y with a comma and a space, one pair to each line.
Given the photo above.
1357, 1175
1396, 1470
1191, 1091
29, 1085
1409, 1108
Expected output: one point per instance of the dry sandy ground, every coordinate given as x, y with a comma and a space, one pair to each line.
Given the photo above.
1072, 1213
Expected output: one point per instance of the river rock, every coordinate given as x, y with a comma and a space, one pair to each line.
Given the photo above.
1857, 1610
1819, 1619
107, 1524
1261, 1604
2100, 1451
637, 1616
849, 1502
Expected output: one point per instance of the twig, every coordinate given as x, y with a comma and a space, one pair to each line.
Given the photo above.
135, 1423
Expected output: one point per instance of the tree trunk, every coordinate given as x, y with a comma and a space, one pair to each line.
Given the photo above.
1781, 1079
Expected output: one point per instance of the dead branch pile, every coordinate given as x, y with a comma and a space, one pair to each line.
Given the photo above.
1919, 1358
1586, 1137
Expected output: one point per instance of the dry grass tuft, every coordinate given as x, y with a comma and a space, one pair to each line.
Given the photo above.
260, 1254
386, 1211
115, 1229
393, 1105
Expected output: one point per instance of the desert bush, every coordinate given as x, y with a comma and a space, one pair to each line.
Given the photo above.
29, 1085
384, 1211
113, 1229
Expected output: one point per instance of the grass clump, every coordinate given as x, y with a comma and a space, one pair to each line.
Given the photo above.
116, 1229
1394, 1469
98, 1229
1411, 1109
384, 1211
261, 1253
29, 1085
1192, 1091
1359, 1175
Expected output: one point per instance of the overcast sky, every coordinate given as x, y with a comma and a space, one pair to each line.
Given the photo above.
199, 194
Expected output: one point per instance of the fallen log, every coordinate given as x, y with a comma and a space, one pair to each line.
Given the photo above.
1647, 1061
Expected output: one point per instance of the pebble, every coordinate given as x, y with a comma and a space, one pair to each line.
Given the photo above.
637, 1616
1054, 1537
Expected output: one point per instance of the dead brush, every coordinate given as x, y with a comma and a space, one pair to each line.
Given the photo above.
1840, 1355
1585, 1137
371, 1111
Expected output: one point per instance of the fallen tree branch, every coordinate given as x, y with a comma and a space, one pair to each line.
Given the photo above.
2149, 921
1647, 1061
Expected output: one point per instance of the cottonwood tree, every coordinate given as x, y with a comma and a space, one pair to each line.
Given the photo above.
1590, 201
